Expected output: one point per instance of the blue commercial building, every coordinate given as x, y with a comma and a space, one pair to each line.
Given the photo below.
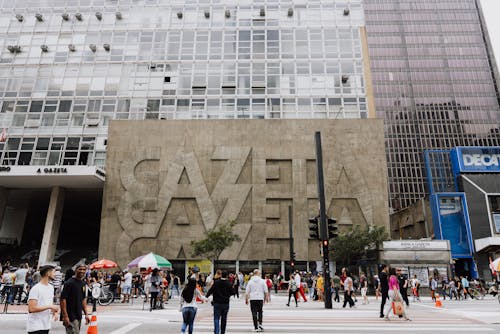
464, 186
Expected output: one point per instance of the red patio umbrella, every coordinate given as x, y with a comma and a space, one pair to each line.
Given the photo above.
103, 264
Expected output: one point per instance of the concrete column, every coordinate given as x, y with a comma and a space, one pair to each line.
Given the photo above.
237, 266
3, 203
260, 266
283, 269
52, 225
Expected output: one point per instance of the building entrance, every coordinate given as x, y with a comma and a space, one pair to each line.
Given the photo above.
23, 226
463, 267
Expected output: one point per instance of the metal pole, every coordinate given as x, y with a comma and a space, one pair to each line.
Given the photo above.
290, 231
426, 224
323, 228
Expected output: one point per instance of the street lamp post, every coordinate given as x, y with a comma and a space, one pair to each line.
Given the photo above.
323, 227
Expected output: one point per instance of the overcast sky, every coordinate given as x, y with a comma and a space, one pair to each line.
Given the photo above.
491, 9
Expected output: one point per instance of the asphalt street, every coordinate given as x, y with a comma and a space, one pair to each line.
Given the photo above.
473, 316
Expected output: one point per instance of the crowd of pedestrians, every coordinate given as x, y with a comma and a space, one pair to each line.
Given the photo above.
42, 289
17, 281
50, 293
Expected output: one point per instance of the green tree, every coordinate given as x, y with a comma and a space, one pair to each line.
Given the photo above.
354, 244
215, 242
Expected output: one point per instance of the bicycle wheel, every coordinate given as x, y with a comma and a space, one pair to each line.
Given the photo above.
105, 298
24, 297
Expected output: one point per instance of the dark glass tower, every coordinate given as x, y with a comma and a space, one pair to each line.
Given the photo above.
435, 84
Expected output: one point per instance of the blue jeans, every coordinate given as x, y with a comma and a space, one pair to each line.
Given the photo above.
188, 314
220, 312
176, 289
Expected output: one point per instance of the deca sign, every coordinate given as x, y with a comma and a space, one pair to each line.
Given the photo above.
476, 160
480, 160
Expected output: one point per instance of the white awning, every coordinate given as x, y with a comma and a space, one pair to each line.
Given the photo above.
50, 176
487, 244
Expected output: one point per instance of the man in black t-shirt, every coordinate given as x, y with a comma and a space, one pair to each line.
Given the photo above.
136, 284
222, 291
113, 283
384, 287
403, 285
73, 302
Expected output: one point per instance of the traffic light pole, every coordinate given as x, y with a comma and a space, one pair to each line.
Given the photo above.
290, 229
323, 227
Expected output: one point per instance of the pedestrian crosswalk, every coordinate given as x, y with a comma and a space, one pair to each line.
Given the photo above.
312, 317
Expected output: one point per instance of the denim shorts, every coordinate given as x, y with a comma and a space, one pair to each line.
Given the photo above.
126, 289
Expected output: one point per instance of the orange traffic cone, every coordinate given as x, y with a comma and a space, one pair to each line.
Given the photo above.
438, 301
92, 329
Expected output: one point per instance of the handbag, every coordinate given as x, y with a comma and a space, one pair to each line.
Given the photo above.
397, 308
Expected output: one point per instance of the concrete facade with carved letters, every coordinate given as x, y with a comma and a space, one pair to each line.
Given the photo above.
169, 181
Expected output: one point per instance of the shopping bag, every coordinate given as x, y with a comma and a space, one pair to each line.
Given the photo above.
397, 308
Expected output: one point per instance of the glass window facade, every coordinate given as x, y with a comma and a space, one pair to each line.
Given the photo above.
434, 84
67, 71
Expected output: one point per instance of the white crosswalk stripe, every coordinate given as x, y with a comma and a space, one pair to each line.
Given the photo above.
311, 317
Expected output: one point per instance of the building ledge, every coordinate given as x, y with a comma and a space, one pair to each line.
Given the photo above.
487, 244
31, 177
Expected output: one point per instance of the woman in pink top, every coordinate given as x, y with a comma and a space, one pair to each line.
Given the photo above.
394, 294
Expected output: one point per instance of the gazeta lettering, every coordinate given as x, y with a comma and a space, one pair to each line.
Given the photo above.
52, 170
481, 160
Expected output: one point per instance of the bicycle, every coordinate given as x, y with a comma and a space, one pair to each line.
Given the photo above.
7, 290
477, 293
102, 294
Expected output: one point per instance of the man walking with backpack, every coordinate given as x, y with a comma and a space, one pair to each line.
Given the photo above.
256, 292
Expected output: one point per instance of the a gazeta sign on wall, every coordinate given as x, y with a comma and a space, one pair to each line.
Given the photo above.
475, 159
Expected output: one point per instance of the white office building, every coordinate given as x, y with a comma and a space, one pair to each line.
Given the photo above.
67, 67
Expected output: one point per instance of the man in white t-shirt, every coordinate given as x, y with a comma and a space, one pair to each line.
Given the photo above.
209, 280
20, 281
40, 303
257, 293
127, 286
300, 287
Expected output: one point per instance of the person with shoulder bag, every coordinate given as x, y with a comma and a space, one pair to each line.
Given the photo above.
395, 299
292, 290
